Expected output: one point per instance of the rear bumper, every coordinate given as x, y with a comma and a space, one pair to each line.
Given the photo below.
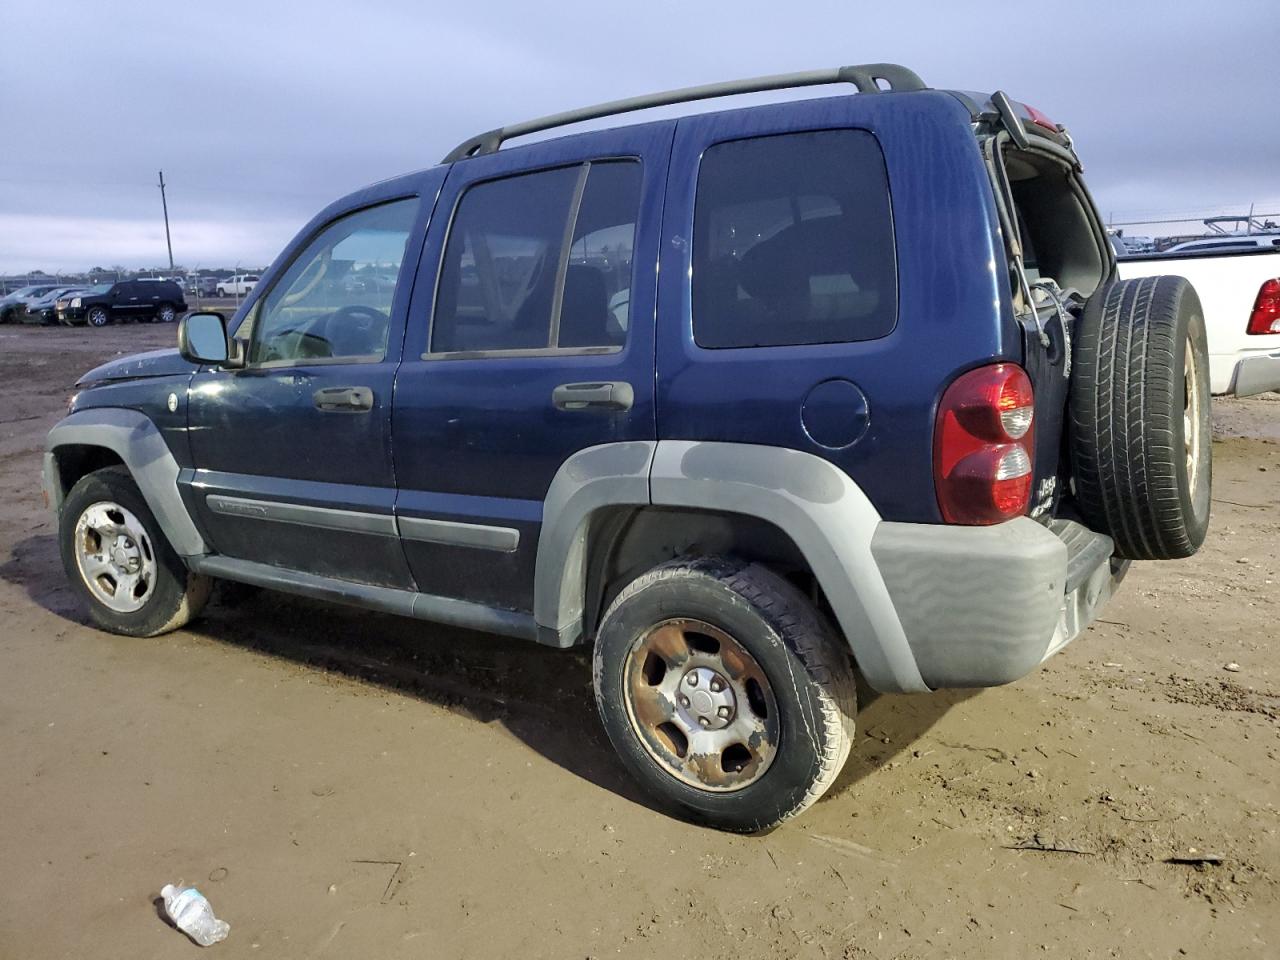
1257, 374
982, 606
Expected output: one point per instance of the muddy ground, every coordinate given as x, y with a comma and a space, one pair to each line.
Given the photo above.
344, 784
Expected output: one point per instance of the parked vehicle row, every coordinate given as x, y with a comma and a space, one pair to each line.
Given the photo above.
156, 300
44, 309
13, 306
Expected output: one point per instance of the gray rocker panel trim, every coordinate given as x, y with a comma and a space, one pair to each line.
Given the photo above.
454, 533
405, 603
138, 442
828, 517
609, 475
326, 518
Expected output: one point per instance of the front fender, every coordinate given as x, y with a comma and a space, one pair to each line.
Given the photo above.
137, 441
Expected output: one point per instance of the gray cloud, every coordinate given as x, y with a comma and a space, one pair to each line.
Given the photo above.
261, 116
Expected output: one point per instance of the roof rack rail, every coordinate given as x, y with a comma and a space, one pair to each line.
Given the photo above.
866, 77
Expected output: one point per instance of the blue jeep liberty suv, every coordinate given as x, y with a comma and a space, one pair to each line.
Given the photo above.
746, 401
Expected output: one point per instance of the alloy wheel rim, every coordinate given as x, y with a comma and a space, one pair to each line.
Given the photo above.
700, 705
115, 557
1191, 410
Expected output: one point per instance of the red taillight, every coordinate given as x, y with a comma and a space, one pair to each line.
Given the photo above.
1266, 309
983, 446
1040, 119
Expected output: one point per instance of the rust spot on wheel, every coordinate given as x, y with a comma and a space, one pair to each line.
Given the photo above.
700, 705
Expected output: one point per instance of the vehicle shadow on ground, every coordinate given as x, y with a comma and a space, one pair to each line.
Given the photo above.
890, 725
540, 695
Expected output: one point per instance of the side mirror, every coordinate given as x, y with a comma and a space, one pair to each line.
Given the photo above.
202, 338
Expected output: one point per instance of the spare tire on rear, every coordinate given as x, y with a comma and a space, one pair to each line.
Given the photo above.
1139, 413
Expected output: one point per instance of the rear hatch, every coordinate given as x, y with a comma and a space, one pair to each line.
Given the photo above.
1057, 255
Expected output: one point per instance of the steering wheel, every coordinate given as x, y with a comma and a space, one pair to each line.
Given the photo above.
357, 330
364, 317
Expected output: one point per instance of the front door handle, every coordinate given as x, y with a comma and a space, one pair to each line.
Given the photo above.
343, 399
614, 395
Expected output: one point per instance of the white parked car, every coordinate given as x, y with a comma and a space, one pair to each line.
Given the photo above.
1238, 280
1228, 244
237, 286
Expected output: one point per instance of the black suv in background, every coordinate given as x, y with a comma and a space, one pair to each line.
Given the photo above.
127, 300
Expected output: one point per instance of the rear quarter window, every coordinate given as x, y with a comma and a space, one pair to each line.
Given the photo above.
793, 242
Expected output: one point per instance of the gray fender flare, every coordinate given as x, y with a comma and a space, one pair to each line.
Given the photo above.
137, 441
609, 475
815, 503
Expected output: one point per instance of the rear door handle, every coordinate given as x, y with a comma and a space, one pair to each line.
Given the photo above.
344, 399
613, 395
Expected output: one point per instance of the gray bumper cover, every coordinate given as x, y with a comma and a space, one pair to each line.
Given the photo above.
983, 606
1258, 375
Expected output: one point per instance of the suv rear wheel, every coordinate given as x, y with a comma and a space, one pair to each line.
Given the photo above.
118, 560
724, 692
165, 313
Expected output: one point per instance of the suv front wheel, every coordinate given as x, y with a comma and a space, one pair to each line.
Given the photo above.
97, 317
119, 562
724, 691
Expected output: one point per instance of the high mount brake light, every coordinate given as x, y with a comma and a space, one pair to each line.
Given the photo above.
1040, 119
1265, 317
983, 445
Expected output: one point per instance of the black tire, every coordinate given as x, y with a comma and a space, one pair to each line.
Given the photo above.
1140, 430
176, 594
809, 669
165, 313
97, 316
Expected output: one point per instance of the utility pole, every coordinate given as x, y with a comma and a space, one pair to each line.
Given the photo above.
165, 203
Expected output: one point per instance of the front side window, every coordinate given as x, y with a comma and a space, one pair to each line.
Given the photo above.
793, 242
334, 300
540, 261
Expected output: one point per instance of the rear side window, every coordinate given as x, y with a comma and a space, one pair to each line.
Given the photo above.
793, 242
540, 261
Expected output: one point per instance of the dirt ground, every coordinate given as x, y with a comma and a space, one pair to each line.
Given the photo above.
344, 784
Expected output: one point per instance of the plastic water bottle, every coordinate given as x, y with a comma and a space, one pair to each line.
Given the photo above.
191, 913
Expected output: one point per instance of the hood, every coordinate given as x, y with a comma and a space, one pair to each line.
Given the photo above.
155, 363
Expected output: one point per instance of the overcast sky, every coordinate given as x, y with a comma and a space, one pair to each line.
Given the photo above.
262, 113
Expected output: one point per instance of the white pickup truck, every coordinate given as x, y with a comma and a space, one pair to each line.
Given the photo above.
238, 285
1239, 288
